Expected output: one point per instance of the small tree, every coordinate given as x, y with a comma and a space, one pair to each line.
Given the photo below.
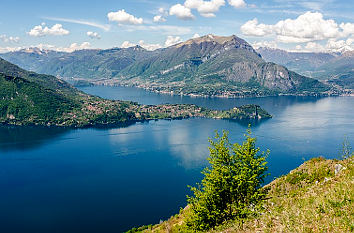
231, 187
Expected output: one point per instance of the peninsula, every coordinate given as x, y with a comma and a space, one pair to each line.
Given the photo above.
28, 98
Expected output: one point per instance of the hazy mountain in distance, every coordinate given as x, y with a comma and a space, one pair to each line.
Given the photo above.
208, 65
88, 63
302, 62
337, 67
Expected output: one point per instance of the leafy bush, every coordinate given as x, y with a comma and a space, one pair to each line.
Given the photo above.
231, 187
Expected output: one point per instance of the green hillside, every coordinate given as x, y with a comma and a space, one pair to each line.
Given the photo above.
25, 101
315, 197
205, 66
221, 66
28, 98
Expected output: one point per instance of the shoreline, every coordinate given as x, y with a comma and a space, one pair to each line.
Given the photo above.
225, 96
126, 123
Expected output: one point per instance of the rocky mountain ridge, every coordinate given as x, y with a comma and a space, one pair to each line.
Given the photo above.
209, 65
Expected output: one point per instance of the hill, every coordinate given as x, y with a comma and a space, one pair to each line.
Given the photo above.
85, 64
213, 65
206, 66
304, 63
28, 98
336, 67
315, 197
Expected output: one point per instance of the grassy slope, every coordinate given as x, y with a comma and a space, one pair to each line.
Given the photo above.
301, 201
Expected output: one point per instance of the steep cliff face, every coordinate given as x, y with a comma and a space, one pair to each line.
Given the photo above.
220, 61
269, 75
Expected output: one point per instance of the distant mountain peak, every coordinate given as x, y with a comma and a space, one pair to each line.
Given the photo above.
222, 40
138, 48
135, 48
36, 50
348, 54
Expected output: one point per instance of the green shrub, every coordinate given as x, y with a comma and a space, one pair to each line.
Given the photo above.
231, 187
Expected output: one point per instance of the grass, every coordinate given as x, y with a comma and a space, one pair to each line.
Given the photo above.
311, 198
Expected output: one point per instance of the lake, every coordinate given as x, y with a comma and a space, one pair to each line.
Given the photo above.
110, 180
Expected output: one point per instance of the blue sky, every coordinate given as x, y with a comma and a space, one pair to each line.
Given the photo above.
326, 25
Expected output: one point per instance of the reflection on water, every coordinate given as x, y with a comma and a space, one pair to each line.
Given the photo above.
112, 179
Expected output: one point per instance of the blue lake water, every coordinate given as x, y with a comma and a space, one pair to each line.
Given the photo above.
110, 180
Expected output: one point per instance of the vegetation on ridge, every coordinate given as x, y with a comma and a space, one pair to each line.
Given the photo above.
315, 197
205, 66
231, 187
28, 98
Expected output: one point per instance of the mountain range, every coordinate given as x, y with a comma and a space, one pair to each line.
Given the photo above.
208, 66
28, 98
338, 68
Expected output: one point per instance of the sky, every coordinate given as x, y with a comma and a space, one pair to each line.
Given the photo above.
294, 25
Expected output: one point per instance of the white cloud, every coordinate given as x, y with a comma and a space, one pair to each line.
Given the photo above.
147, 46
348, 29
123, 17
42, 47
268, 44
159, 18
205, 8
314, 47
73, 47
161, 10
307, 27
196, 35
298, 47
253, 28
310, 26
93, 35
127, 44
237, 3
105, 27
9, 49
181, 12
42, 30
340, 45
172, 40
10, 39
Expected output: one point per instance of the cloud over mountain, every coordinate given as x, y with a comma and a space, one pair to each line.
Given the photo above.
6, 39
123, 17
310, 26
42, 30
